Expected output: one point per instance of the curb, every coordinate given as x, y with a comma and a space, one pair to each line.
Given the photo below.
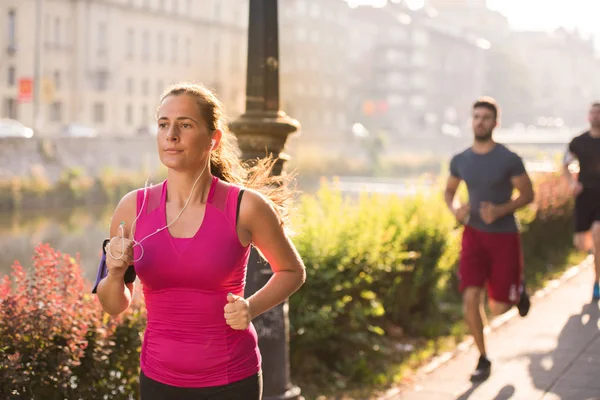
494, 324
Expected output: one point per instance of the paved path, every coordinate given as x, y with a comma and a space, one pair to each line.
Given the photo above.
553, 353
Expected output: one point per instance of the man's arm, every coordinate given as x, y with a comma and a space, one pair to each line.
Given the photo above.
450, 192
523, 184
568, 159
461, 213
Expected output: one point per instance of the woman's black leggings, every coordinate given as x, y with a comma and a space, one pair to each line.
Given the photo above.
246, 389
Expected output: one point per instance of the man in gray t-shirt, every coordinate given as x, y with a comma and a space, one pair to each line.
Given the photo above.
491, 248
488, 177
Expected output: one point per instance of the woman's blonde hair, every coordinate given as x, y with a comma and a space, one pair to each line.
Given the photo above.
225, 162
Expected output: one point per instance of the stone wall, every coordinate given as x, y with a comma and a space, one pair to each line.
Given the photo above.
52, 156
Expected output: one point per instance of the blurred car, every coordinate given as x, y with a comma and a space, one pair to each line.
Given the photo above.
79, 130
13, 128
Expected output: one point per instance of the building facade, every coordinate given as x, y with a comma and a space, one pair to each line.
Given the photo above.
564, 77
424, 73
104, 63
314, 45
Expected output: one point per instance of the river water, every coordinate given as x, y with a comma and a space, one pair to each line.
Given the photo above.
78, 232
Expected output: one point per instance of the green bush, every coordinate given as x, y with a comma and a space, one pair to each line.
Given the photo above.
371, 262
547, 228
379, 263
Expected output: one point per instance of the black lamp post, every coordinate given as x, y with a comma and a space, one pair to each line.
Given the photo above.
262, 130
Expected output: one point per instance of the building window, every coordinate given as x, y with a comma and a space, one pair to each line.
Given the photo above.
175, 6
314, 117
341, 120
174, 45
417, 102
10, 108
145, 87
101, 80
129, 114
57, 81
160, 44
12, 28
146, 46
98, 112
160, 87
57, 36
420, 38
188, 51
69, 34
102, 39
301, 7
144, 115
56, 111
130, 43
301, 34
12, 76
216, 58
315, 10
189, 7
48, 29
129, 86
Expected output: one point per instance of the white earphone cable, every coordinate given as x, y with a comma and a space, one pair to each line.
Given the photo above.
121, 229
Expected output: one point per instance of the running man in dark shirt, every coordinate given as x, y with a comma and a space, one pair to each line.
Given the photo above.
585, 148
491, 254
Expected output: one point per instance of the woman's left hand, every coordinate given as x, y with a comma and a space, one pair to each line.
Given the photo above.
237, 312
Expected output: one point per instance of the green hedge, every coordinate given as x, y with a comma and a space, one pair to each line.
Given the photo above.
73, 188
382, 264
381, 272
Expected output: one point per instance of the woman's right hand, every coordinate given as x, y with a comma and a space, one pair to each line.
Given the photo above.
119, 255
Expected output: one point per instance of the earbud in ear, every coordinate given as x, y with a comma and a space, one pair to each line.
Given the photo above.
212, 144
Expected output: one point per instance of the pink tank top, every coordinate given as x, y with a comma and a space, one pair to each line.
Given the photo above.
187, 342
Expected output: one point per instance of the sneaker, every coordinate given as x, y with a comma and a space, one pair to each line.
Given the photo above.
596, 295
524, 303
483, 370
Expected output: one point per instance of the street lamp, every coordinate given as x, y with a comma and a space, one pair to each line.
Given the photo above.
262, 130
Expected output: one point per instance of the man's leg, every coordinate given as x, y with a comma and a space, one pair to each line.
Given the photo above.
587, 217
475, 315
596, 245
473, 273
498, 307
583, 241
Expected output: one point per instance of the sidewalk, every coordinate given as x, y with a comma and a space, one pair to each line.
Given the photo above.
553, 353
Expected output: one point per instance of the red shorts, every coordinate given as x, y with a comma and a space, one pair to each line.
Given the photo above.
494, 259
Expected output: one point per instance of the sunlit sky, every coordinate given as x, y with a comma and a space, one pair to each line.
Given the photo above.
543, 15
550, 14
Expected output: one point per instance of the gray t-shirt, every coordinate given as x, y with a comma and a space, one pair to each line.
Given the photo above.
488, 178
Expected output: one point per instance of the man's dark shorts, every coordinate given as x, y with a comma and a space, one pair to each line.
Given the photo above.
587, 209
